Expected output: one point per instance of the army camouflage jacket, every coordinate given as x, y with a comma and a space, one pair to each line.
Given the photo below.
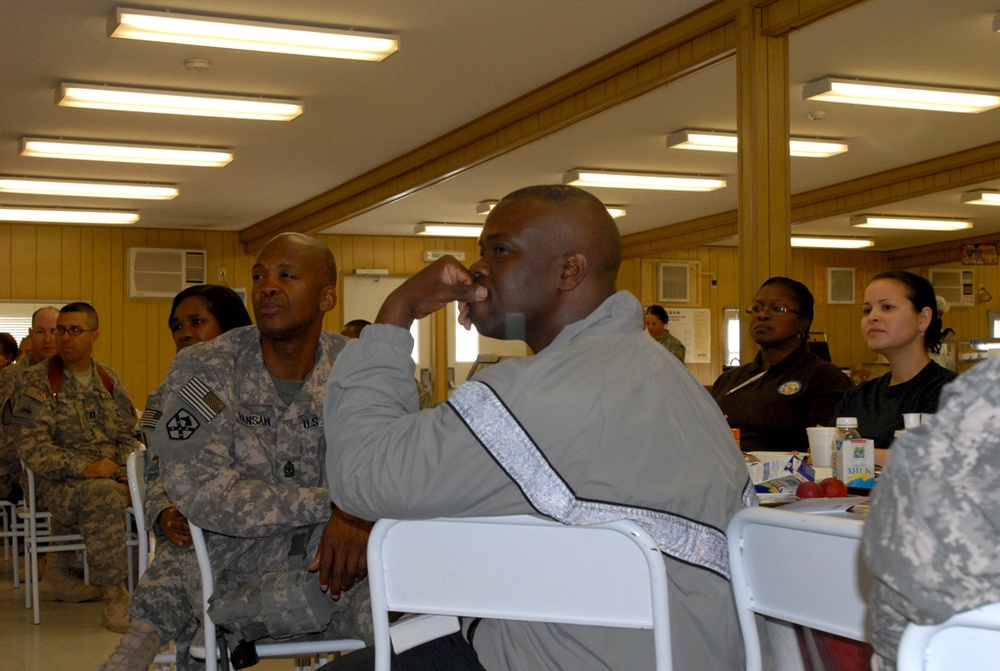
931, 537
10, 384
59, 435
234, 457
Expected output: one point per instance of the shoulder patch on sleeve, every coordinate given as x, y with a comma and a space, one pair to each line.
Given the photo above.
182, 425
29, 406
202, 399
150, 418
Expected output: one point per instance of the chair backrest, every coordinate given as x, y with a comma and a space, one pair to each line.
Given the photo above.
521, 568
968, 640
135, 468
801, 568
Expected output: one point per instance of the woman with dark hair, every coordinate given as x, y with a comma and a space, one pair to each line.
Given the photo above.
204, 311
786, 388
8, 350
900, 321
159, 610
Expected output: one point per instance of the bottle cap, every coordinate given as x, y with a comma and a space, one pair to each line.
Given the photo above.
847, 422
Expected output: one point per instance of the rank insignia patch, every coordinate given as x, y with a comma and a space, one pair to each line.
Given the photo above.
182, 425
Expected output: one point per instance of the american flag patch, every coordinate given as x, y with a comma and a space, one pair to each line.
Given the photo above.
202, 399
150, 418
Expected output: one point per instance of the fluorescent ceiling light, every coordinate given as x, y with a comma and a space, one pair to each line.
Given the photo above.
723, 141
981, 197
187, 103
636, 180
832, 243
63, 187
449, 230
125, 153
884, 94
909, 223
486, 206
229, 33
60, 216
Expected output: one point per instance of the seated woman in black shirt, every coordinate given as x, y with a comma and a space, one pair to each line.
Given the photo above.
786, 388
899, 320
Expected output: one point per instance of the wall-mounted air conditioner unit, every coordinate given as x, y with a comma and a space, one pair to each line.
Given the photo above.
162, 273
954, 285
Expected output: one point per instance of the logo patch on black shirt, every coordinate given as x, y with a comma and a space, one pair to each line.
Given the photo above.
182, 425
790, 388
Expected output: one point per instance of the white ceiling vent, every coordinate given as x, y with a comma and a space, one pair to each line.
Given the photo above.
162, 273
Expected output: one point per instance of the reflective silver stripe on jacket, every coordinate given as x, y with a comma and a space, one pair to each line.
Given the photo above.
500, 433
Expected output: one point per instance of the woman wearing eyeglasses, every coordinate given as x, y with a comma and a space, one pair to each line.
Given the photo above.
786, 388
900, 321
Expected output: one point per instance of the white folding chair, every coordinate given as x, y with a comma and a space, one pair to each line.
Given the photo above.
14, 533
521, 568
40, 540
801, 568
968, 640
134, 468
302, 651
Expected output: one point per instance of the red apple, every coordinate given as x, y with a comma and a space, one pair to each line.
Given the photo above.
833, 488
809, 490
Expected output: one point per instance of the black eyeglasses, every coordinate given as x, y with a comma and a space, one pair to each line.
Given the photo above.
72, 330
770, 309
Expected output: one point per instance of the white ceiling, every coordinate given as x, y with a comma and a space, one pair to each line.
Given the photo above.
458, 60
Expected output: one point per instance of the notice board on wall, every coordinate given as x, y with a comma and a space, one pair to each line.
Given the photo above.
693, 327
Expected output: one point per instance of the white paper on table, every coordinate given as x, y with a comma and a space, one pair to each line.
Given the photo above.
824, 506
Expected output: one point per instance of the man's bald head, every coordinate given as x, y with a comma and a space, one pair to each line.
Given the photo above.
586, 224
550, 257
311, 246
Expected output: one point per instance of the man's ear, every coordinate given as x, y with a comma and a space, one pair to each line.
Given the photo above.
575, 267
328, 298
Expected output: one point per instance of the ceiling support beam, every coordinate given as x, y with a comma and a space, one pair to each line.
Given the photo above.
764, 220
682, 47
665, 55
943, 173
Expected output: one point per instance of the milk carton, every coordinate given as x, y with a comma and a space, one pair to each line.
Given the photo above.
854, 462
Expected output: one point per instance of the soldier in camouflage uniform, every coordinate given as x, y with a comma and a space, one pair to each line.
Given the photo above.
242, 453
76, 426
931, 537
42, 341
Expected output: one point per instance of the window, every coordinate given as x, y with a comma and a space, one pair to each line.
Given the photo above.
731, 330
466, 342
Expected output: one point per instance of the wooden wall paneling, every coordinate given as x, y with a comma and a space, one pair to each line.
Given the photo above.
132, 317
116, 297
6, 254
47, 274
24, 261
71, 263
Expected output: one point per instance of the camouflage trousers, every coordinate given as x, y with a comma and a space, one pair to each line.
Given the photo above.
289, 551
95, 509
161, 598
